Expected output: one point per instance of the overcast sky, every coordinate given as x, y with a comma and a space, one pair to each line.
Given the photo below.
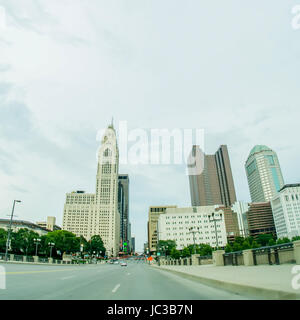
67, 66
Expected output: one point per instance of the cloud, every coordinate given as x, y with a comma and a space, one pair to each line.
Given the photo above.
67, 67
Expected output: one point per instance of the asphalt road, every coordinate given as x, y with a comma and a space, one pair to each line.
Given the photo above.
137, 281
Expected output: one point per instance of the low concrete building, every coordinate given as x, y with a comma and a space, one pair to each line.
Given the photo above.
21, 224
49, 224
178, 224
286, 211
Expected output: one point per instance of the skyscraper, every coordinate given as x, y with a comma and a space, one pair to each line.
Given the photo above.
89, 214
263, 174
214, 185
260, 219
123, 205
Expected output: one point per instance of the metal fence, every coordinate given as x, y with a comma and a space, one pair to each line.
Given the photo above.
281, 253
18, 258
233, 258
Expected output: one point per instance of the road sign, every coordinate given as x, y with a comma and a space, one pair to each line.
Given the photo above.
158, 253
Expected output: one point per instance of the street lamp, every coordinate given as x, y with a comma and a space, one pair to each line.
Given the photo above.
213, 219
51, 245
9, 229
191, 229
37, 242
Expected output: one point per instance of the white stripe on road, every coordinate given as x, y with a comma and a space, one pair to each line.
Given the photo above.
116, 288
65, 278
128, 274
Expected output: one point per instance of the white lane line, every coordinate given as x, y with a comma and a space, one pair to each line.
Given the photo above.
116, 288
128, 274
65, 278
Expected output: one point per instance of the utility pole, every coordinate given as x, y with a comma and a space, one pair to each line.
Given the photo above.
215, 221
9, 229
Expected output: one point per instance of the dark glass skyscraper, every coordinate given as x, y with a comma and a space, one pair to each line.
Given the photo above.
214, 184
123, 206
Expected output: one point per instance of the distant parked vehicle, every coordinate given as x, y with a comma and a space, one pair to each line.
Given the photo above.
123, 264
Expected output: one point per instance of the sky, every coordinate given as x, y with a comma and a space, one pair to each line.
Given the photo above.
67, 67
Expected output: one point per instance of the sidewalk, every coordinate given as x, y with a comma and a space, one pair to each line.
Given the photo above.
264, 281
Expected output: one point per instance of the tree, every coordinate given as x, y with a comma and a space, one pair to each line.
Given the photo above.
272, 242
237, 246
186, 252
296, 238
65, 241
283, 240
23, 241
228, 248
3, 238
263, 239
175, 254
166, 246
204, 249
96, 245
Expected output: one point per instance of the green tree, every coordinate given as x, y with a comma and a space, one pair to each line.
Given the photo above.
65, 241
175, 254
22, 241
283, 240
3, 238
228, 248
246, 244
186, 252
237, 246
272, 242
96, 245
165, 246
204, 249
296, 238
263, 239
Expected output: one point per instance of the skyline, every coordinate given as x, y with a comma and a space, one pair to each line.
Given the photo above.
66, 68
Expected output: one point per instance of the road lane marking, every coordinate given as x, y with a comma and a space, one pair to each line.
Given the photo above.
116, 288
41, 271
65, 278
128, 274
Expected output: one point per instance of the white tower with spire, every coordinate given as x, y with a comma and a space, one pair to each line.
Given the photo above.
107, 191
90, 214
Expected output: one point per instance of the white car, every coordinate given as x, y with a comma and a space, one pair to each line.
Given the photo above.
123, 264
116, 262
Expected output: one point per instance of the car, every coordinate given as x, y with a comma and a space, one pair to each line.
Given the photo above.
123, 264
116, 262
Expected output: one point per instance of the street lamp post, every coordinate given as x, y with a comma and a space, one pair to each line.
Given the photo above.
37, 242
193, 232
9, 229
213, 219
51, 245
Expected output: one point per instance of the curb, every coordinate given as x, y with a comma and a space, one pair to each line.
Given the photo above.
268, 294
